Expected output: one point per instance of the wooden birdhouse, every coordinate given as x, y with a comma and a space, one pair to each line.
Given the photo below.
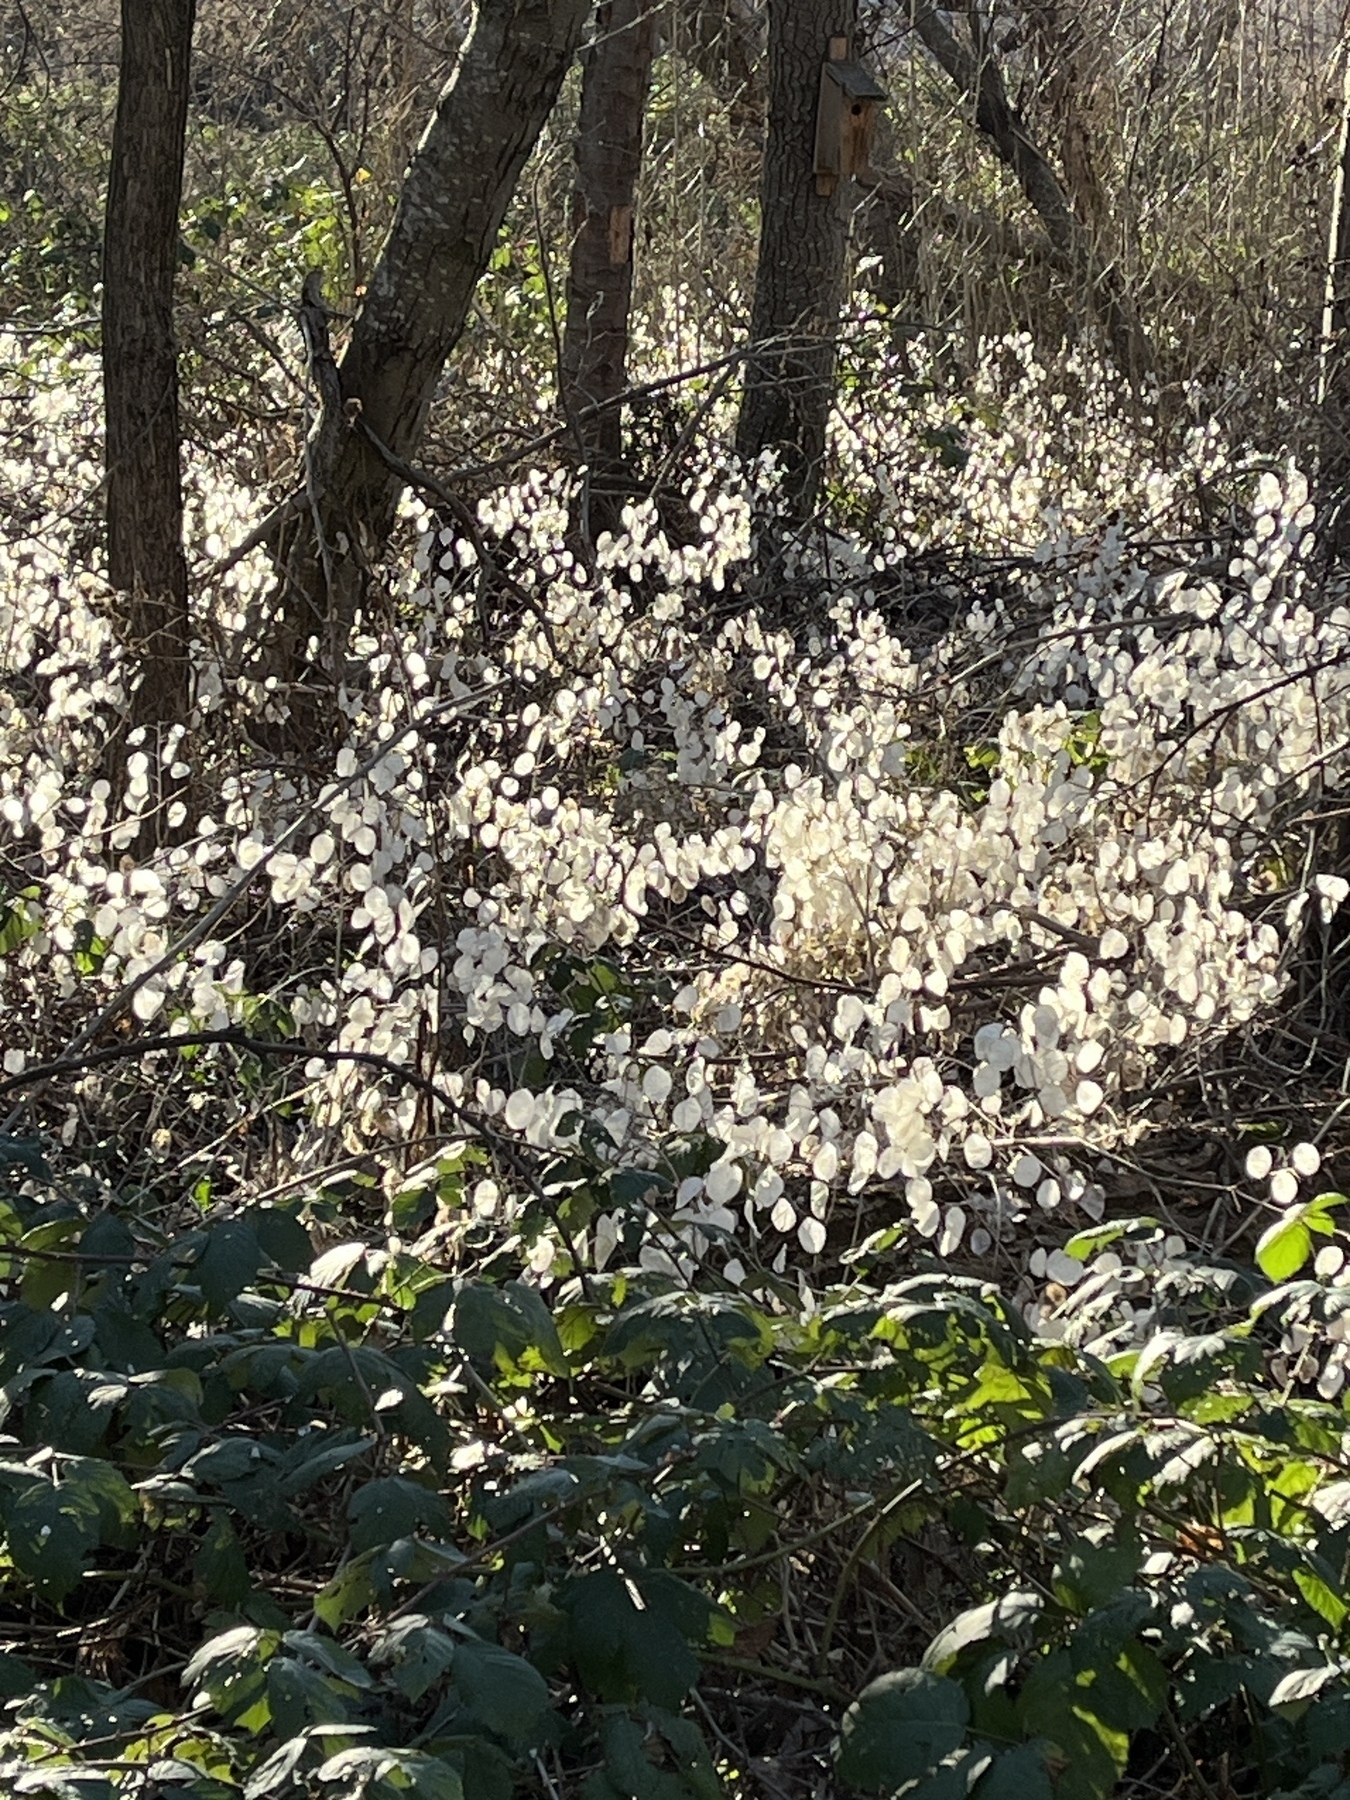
845, 120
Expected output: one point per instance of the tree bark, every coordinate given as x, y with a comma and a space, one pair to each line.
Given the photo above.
146, 564
981, 82
887, 228
600, 279
458, 187
1061, 40
454, 199
1333, 383
799, 278
720, 38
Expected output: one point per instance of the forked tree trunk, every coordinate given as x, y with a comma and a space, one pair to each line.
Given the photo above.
799, 278
981, 83
720, 38
454, 198
614, 87
146, 564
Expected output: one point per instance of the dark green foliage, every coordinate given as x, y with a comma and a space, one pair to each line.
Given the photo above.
401, 1533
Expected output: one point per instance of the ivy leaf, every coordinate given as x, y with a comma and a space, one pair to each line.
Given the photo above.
899, 1728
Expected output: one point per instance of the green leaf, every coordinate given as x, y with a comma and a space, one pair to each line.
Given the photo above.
330, 1655
126, 1341
305, 1463
1284, 1247
392, 1508
16, 1676
1322, 1597
502, 1691
233, 1459
1056, 1704
1012, 1617
52, 1530
220, 1564
1084, 1244
508, 1328
899, 1728
281, 1237
230, 1671
1018, 1774
299, 1697
419, 1655
23, 1153
107, 1235
228, 1263
1091, 1574
275, 1775
954, 1779
627, 1764
349, 1592
70, 1410
371, 1769
624, 1646
117, 1506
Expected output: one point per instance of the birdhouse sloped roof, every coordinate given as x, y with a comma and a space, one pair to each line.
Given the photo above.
858, 83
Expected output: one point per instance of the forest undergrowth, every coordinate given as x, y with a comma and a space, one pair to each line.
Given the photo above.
733, 1190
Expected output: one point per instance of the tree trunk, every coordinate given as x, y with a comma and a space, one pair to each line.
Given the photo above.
1333, 382
146, 564
982, 85
1061, 40
719, 38
600, 281
887, 228
799, 278
454, 198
